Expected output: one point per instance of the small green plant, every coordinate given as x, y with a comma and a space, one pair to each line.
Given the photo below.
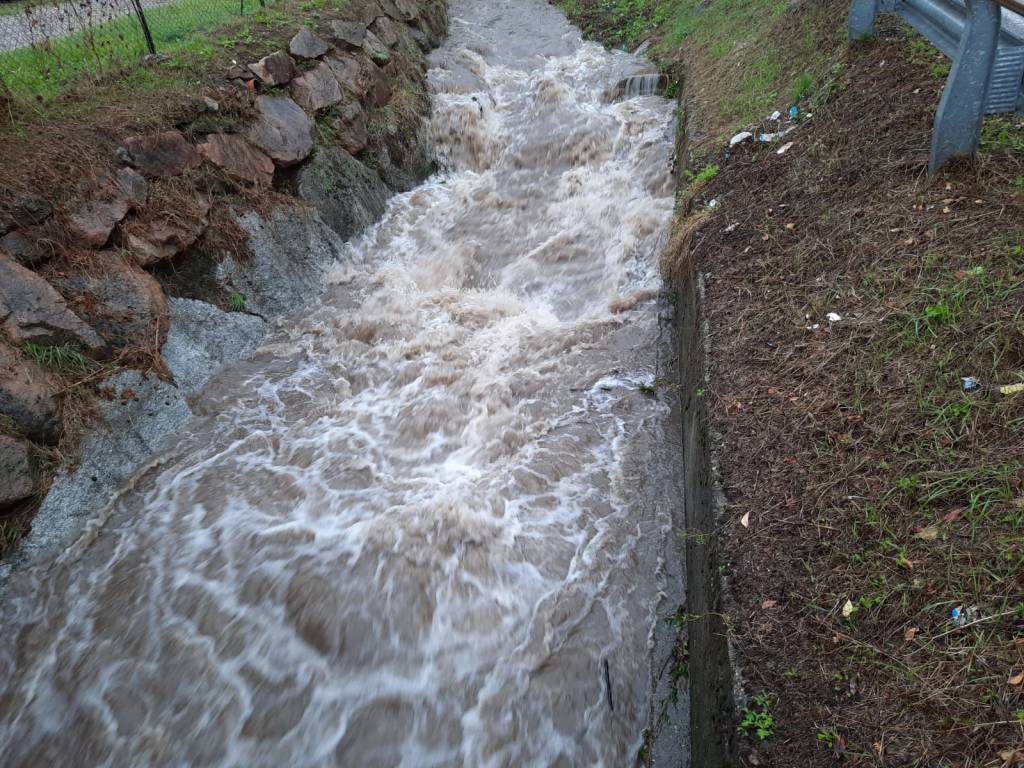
940, 69
1018, 182
1019, 714
59, 357
236, 302
803, 86
828, 737
706, 174
758, 719
938, 313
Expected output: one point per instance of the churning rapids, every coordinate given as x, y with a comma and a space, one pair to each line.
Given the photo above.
428, 524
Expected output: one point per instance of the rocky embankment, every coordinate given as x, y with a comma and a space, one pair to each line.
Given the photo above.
116, 307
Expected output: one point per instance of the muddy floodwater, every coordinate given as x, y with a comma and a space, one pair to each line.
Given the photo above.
428, 524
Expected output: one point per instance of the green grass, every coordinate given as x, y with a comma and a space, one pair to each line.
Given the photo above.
65, 357
236, 302
183, 27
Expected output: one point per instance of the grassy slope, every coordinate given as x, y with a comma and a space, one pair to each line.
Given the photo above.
879, 495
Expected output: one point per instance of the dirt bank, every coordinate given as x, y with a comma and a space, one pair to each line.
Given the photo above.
872, 537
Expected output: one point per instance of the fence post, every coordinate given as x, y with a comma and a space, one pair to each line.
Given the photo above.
145, 27
962, 108
861, 22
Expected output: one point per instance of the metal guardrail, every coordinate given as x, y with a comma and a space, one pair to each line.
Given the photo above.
986, 46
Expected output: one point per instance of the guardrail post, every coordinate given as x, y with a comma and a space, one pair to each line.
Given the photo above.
861, 22
962, 109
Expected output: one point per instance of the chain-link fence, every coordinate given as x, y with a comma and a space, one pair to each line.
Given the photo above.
46, 44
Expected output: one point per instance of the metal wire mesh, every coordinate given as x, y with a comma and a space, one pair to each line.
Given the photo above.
45, 44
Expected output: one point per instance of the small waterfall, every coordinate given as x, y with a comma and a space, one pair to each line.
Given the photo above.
650, 84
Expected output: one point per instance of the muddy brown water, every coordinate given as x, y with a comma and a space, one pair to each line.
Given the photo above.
427, 524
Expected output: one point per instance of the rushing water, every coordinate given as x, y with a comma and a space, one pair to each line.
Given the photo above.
426, 525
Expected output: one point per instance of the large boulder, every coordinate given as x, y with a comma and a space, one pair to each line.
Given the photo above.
123, 303
306, 45
348, 34
238, 158
27, 396
317, 90
31, 310
282, 130
165, 237
16, 470
276, 69
348, 195
162, 154
104, 204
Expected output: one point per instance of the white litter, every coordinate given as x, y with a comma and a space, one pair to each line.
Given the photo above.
739, 138
833, 317
784, 148
775, 115
713, 203
731, 227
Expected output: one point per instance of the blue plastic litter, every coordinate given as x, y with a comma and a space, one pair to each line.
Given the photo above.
970, 383
793, 111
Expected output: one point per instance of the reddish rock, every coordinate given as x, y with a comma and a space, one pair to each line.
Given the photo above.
316, 90
351, 125
349, 74
31, 310
166, 237
307, 45
162, 154
119, 300
348, 34
282, 130
378, 92
276, 69
16, 469
106, 203
239, 158
27, 397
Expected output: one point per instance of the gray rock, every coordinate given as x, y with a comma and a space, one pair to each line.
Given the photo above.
162, 154
238, 158
306, 45
348, 34
31, 310
130, 430
276, 69
407, 9
123, 303
27, 397
317, 90
202, 337
292, 250
376, 49
283, 130
348, 195
30, 245
16, 471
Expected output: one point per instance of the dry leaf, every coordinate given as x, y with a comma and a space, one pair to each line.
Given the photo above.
745, 520
767, 604
1011, 757
928, 533
848, 609
1017, 679
947, 209
953, 514
791, 227
909, 634
909, 241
